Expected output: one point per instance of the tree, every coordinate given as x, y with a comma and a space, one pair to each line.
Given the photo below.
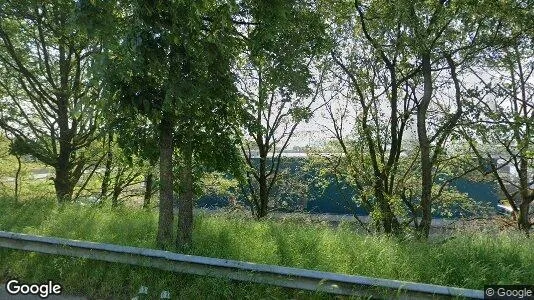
449, 36
499, 128
205, 133
279, 78
49, 103
372, 55
400, 60
441, 35
170, 62
437, 36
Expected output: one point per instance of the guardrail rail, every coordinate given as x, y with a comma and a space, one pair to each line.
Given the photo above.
311, 280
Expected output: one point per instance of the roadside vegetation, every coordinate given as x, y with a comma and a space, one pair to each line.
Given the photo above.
463, 259
116, 117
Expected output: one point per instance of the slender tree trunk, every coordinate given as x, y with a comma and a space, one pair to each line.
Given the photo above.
263, 190
165, 221
149, 178
115, 196
107, 171
17, 178
263, 193
527, 195
264, 197
389, 221
426, 191
523, 221
116, 188
386, 218
185, 203
424, 145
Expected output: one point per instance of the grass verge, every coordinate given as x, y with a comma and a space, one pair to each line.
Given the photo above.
465, 260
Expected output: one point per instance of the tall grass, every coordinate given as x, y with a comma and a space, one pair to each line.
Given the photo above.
464, 260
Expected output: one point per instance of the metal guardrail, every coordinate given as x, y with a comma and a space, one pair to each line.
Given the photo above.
236, 270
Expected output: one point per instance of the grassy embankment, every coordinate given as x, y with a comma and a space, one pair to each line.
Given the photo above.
466, 260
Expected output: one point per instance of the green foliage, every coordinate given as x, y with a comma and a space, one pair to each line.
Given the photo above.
216, 183
125, 173
48, 103
283, 46
399, 61
293, 189
27, 185
172, 58
142, 75
354, 168
279, 69
288, 33
8, 166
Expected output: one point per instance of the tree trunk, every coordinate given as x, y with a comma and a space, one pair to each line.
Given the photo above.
116, 188
149, 178
523, 221
386, 217
426, 191
164, 237
115, 196
424, 145
264, 197
62, 183
185, 203
17, 177
263, 190
389, 221
107, 171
